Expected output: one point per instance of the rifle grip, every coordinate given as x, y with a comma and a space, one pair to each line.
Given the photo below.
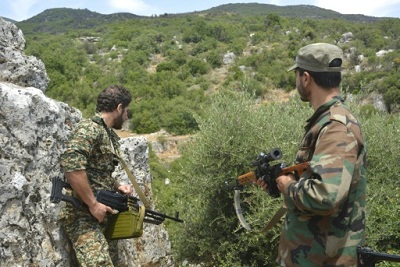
247, 178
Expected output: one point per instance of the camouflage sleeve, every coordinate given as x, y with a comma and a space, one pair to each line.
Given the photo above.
332, 167
78, 147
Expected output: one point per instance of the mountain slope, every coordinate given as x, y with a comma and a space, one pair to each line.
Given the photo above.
60, 20
295, 11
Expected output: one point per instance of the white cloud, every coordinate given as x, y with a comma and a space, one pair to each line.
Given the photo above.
373, 8
131, 6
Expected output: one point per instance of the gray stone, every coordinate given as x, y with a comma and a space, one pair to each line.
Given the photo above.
15, 66
33, 132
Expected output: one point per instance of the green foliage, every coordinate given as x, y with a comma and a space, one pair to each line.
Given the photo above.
368, 110
392, 98
214, 58
161, 58
204, 46
231, 134
383, 198
61, 20
197, 67
167, 66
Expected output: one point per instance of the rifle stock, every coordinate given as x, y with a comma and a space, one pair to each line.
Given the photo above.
56, 193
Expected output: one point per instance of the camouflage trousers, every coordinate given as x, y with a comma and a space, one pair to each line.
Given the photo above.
87, 238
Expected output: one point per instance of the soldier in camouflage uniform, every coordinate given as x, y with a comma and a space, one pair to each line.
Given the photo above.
88, 162
325, 220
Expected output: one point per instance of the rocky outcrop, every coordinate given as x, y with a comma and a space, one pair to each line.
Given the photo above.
15, 66
33, 132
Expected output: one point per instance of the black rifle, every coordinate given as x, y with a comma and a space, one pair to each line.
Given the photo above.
109, 198
269, 173
56, 193
368, 258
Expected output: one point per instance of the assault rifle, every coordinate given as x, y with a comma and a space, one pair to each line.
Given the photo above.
109, 198
368, 258
269, 173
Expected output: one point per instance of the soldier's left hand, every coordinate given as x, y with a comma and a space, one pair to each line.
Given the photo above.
125, 189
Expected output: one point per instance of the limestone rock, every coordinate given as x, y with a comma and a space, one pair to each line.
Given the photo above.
15, 66
33, 132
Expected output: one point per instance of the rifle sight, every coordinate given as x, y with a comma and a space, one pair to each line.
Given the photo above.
274, 154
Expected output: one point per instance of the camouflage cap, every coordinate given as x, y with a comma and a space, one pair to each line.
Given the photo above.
317, 57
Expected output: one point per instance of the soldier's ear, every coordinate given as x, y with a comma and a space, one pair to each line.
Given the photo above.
120, 107
306, 78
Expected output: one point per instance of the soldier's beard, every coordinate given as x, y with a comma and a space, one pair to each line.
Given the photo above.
119, 122
304, 94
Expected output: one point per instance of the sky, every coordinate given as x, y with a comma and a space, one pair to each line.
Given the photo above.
24, 9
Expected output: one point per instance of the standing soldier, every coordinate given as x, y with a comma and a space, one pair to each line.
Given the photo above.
88, 162
325, 219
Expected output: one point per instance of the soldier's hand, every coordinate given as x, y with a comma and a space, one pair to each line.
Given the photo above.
125, 189
282, 180
260, 182
99, 211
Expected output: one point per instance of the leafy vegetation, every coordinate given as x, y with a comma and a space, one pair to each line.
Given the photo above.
173, 63
232, 132
177, 68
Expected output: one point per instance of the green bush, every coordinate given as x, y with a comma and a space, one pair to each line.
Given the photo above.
382, 134
198, 67
167, 66
231, 134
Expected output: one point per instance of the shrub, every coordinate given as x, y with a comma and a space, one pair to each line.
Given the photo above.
167, 66
197, 66
232, 133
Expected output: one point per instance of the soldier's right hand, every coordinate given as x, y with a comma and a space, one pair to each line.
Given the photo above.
260, 182
99, 210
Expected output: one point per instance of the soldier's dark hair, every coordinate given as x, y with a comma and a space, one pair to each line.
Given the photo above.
327, 80
109, 99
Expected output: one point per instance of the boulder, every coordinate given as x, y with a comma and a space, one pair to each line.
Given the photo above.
15, 66
33, 132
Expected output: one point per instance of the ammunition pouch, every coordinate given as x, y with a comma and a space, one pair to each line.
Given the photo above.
128, 223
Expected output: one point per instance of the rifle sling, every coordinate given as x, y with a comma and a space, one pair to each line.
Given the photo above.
274, 220
128, 172
134, 183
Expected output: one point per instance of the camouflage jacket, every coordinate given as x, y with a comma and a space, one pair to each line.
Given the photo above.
325, 221
90, 148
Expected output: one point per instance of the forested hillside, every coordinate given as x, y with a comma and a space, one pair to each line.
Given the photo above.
204, 73
172, 64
